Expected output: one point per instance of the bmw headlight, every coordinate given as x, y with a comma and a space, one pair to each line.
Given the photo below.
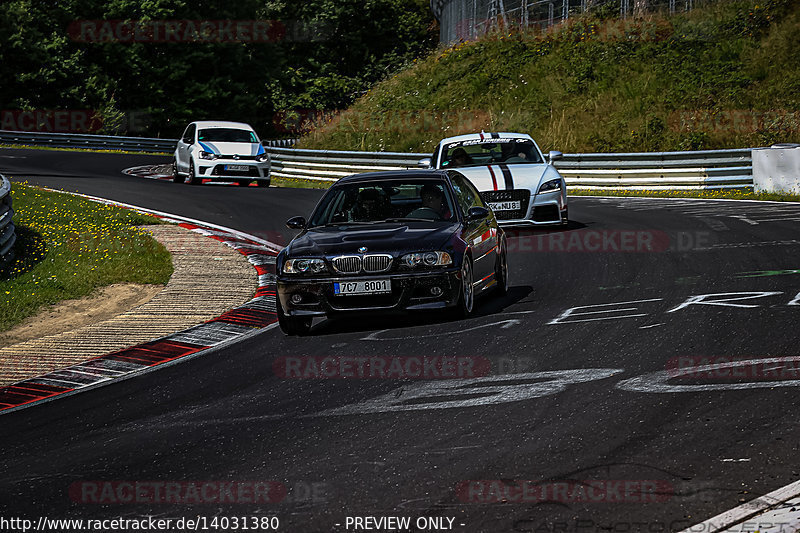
208, 155
262, 157
552, 185
304, 266
428, 259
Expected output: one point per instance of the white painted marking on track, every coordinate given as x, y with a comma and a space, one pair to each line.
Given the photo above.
727, 297
745, 219
475, 392
765, 507
561, 319
656, 382
651, 326
503, 324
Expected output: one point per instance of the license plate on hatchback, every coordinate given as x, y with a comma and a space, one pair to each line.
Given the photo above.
349, 288
237, 168
505, 206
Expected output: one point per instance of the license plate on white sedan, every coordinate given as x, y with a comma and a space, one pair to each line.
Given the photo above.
237, 168
348, 288
505, 206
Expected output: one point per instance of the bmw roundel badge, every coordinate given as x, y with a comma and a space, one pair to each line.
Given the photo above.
362, 249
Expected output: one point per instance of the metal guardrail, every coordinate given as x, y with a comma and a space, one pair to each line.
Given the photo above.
88, 141
703, 169
708, 169
103, 142
330, 165
7, 231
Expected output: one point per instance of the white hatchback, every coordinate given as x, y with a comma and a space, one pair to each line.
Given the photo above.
221, 151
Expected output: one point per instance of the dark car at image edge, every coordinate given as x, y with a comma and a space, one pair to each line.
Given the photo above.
388, 242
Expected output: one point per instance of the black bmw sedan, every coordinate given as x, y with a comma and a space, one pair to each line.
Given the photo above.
391, 241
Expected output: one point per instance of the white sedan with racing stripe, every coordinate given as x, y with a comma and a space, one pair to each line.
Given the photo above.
221, 151
512, 175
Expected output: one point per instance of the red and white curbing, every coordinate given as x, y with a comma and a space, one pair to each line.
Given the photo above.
245, 320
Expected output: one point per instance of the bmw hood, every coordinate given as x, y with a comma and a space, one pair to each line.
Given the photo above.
502, 176
226, 148
386, 237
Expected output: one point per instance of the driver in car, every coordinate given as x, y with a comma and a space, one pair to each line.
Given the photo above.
432, 204
512, 153
460, 158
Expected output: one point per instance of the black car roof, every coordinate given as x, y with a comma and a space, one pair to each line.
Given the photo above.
396, 174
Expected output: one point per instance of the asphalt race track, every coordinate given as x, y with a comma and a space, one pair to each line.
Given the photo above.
596, 397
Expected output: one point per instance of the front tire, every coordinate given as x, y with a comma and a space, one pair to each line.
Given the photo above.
293, 325
193, 179
176, 177
466, 298
501, 268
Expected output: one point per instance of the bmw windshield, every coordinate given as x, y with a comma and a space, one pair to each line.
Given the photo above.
379, 201
479, 153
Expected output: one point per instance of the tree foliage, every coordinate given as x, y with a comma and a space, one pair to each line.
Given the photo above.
331, 52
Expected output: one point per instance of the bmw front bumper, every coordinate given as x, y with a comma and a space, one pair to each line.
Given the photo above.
411, 291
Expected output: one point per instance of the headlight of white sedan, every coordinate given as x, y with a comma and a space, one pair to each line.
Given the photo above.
304, 266
549, 186
262, 157
207, 155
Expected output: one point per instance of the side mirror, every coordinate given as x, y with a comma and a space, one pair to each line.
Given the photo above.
477, 213
296, 223
554, 156
424, 163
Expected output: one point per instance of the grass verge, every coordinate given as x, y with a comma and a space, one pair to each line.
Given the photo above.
68, 149
710, 194
68, 246
298, 183
726, 75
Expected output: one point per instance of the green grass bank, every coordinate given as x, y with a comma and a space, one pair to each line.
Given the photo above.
723, 76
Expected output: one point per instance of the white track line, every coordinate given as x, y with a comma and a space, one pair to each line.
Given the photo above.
752, 509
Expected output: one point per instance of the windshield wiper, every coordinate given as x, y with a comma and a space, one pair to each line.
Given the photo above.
347, 223
405, 219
